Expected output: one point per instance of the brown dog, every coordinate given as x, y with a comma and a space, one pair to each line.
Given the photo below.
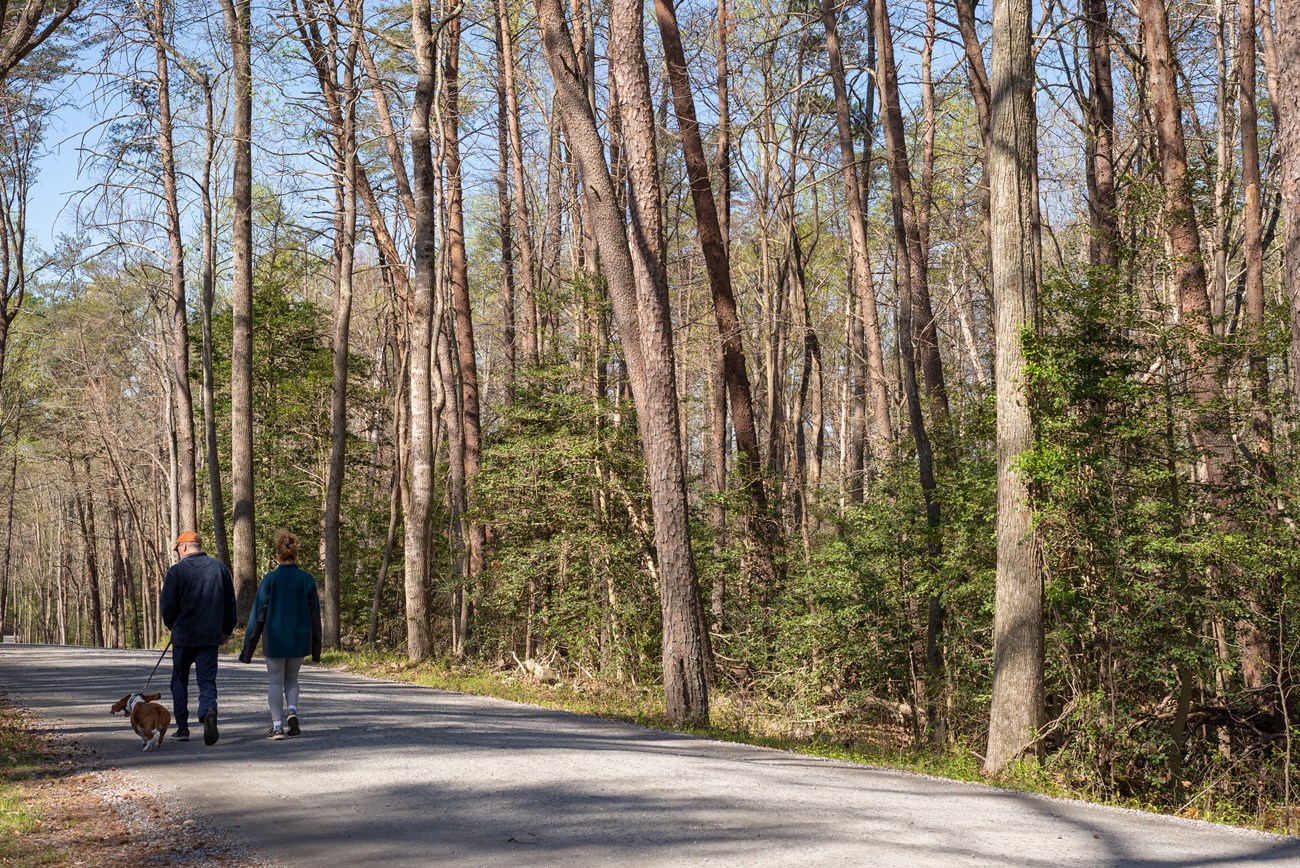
149, 719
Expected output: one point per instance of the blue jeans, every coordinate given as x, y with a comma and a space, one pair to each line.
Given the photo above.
204, 660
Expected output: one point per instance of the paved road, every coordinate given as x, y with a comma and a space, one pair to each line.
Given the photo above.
397, 775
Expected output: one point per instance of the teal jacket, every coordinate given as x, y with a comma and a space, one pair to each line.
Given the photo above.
285, 615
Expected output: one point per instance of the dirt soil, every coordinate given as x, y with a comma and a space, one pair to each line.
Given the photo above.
93, 815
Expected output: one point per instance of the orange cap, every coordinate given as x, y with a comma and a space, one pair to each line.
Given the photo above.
188, 536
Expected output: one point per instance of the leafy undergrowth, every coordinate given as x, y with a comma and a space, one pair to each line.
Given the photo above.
743, 719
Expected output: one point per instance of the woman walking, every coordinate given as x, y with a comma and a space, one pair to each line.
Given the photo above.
286, 617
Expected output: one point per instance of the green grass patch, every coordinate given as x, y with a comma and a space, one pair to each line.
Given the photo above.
22, 757
17, 817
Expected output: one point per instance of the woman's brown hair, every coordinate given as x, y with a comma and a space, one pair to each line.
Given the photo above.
286, 546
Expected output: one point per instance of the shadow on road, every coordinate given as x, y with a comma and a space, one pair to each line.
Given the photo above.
401, 774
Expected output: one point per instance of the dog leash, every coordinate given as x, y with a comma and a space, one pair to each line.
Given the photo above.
156, 665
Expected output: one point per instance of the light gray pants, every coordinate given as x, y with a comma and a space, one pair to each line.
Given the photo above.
282, 684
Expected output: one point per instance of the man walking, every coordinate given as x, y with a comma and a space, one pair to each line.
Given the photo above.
198, 606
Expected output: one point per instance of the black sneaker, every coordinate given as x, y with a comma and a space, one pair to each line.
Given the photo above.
291, 726
210, 734
182, 734
275, 733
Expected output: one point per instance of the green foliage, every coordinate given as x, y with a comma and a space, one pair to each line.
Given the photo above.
1138, 556
292, 388
562, 487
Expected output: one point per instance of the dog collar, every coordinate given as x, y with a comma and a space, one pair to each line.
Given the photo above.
136, 699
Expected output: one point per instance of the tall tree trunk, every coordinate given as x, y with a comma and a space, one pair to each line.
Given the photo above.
1188, 266
419, 477
530, 278
1017, 705
508, 335
646, 331
213, 461
6, 579
864, 280
1257, 663
184, 409
1103, 208
631, 74
1287, 101
388, 132
238, 18
454, 415
467, 361
900, 174
1225, 154
925, 203
1252, 236
914, 305
86, 517
716, 469
345, 255
761, 530
982, 97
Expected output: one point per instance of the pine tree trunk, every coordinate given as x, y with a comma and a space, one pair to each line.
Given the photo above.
213, 460
914, 305
86, 517
388, 132
346, 253
467, 358
864, 281
184, 410
1102, 205
528, 282
761, 530
1188, 266
1252, 237
645, 327
981, 96
508, 331
900, 174
1287, 102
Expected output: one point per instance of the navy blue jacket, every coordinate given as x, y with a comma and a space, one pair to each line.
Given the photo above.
198, 601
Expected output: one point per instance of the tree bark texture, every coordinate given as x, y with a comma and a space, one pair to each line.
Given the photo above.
1287, 100
421, 332
466, 352
864, 280
1102, 204
529, 278
215, 492
761, 529
340, 99
184, 411
244, 551
912, 249
1187, 266
1252, 234
646, 333
346, 244
1017, 705
509, 336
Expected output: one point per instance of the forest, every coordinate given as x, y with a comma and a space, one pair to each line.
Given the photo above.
902, 370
